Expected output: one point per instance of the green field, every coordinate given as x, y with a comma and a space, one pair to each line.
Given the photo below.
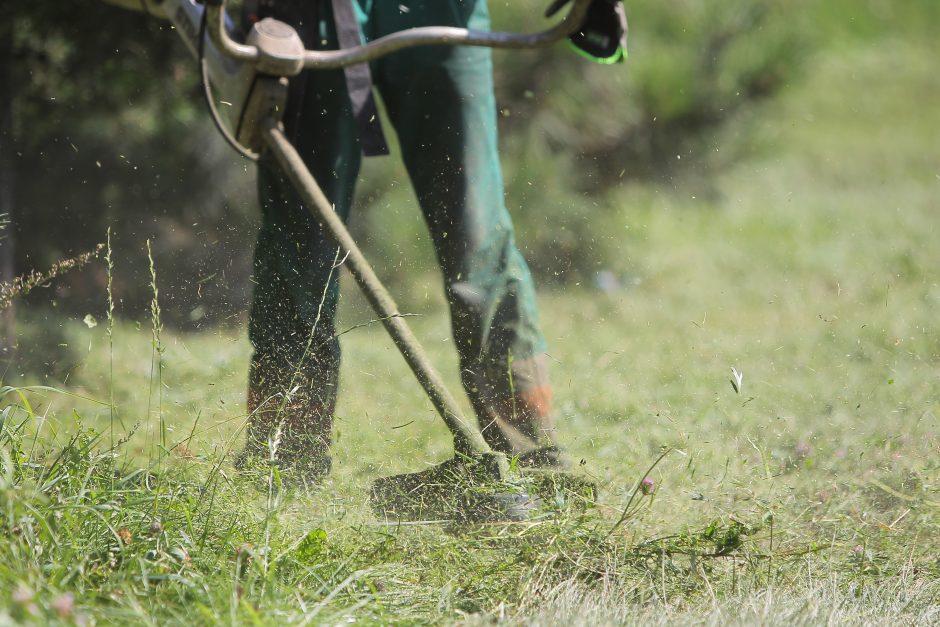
812, 496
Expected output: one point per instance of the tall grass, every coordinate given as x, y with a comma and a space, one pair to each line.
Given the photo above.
156, 357
26, 283
109, 262
177, 539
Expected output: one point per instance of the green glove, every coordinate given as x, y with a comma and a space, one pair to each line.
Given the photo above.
603, 35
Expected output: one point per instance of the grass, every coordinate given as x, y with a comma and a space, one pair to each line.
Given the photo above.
812, 496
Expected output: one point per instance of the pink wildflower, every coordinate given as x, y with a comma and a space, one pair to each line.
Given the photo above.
64, 605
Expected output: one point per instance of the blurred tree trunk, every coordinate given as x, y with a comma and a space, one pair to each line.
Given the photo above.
7, 182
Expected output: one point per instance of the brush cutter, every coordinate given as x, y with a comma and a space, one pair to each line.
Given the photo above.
251, 76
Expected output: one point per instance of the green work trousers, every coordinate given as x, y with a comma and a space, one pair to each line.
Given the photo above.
440, 102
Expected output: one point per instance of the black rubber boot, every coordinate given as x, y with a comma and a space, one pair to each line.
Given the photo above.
290, 420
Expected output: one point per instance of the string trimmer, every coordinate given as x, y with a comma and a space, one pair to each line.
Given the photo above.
251, 77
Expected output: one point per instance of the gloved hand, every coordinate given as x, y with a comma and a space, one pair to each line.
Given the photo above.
603, 35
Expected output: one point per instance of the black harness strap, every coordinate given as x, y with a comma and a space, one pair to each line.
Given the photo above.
359, 83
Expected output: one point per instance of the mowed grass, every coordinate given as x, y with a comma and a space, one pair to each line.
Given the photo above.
811, 495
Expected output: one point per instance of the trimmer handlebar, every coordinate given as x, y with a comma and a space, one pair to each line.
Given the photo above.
274, 49
291, 56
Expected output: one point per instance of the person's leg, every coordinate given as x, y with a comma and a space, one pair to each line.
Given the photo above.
294, 369
441, 103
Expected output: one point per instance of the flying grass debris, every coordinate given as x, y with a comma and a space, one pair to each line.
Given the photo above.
736, 379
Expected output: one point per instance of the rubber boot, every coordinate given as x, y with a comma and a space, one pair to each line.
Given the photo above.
516, 414
290, 420
523, 426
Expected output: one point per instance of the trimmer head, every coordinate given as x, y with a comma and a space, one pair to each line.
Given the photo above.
477, 489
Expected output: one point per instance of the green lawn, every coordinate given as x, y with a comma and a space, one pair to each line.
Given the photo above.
810, 266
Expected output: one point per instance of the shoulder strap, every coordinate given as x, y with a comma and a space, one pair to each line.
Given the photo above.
359, 83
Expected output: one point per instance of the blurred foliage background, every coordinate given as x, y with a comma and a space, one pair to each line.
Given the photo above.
106, 129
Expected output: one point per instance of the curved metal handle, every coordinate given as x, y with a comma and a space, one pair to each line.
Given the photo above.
410, 38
